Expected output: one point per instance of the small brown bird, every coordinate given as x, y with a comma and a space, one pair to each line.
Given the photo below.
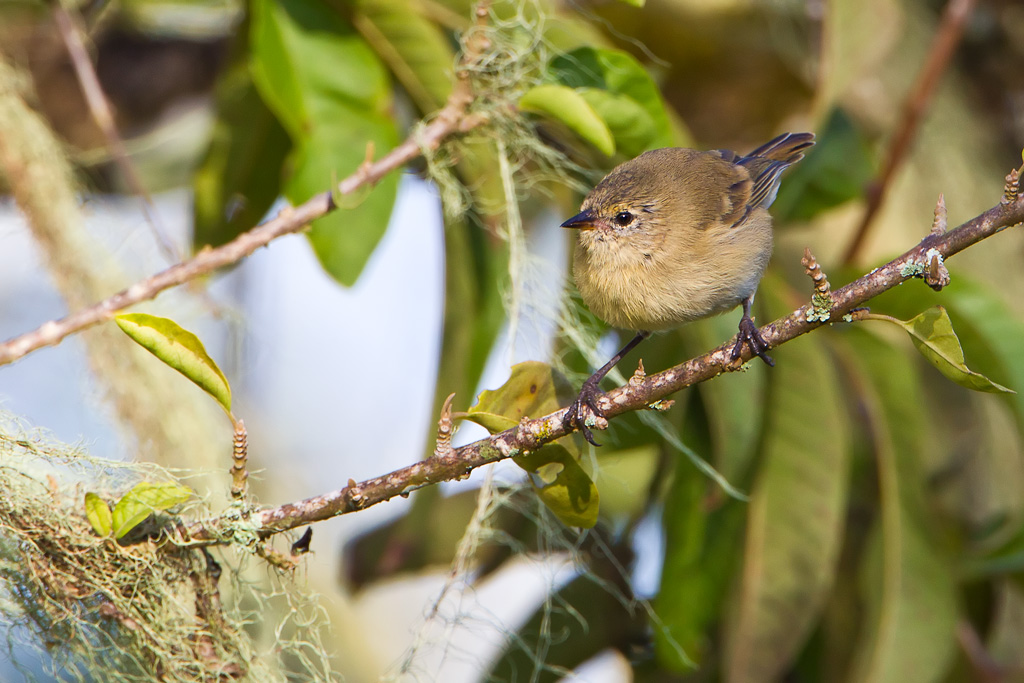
677, 235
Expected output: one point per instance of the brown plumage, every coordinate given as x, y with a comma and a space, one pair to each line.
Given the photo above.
676, 235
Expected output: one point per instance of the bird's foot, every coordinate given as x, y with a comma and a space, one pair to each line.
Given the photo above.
750, 336
586, 406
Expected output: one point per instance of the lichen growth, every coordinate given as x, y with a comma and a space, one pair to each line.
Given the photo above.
489, 452
822, 308
150, 610
912, 269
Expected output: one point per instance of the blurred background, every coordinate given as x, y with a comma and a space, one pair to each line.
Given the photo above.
871, 527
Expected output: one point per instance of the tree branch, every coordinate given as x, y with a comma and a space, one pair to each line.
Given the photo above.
947, 37
71, 33
453, 118
530, 435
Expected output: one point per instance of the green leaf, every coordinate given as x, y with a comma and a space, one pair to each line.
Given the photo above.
240, 177
418, 53
988, 329
624, 480
306, 59
344, 239
634, 3
910, 590
697, 571
933, 335
795, 520
333, 96
990, 332
836, 170
733, 402
178, 348
631, 125
143, 500
562, 485
617, 73
568, 106
98, 513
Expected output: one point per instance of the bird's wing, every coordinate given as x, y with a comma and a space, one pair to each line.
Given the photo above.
738, 194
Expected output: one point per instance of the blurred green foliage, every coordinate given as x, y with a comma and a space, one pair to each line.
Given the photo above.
885, 510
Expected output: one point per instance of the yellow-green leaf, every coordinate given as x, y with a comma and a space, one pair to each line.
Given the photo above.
489, 421
933, 335
98, 513
143, 500
178, 348
562, 485
564, 104
531, 391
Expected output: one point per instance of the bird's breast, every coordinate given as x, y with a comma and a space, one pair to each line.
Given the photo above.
652, 289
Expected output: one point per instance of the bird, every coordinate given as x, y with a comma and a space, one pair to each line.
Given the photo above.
676, 235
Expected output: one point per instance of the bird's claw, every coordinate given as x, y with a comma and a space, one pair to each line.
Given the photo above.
587, 401
750, 336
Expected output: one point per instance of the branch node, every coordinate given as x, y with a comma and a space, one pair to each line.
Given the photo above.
638, 376
471, 121
939, 224
662, 405
239, 456
275, 558
936, 274
821, 300
1012, 187
859, 313
445, 429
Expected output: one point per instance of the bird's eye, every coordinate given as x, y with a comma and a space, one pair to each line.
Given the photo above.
623, 218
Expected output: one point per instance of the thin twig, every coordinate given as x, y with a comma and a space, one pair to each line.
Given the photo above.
947, 36
639, 393
984, 665
99, 108
449, 120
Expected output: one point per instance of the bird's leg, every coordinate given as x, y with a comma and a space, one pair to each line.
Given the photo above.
574, 417
750, 336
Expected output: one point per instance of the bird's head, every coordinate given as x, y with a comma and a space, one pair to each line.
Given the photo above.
625, 204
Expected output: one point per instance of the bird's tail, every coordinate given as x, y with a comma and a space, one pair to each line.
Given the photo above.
767, 162
787, 148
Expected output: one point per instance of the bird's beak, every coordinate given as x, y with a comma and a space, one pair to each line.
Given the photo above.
584, 220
